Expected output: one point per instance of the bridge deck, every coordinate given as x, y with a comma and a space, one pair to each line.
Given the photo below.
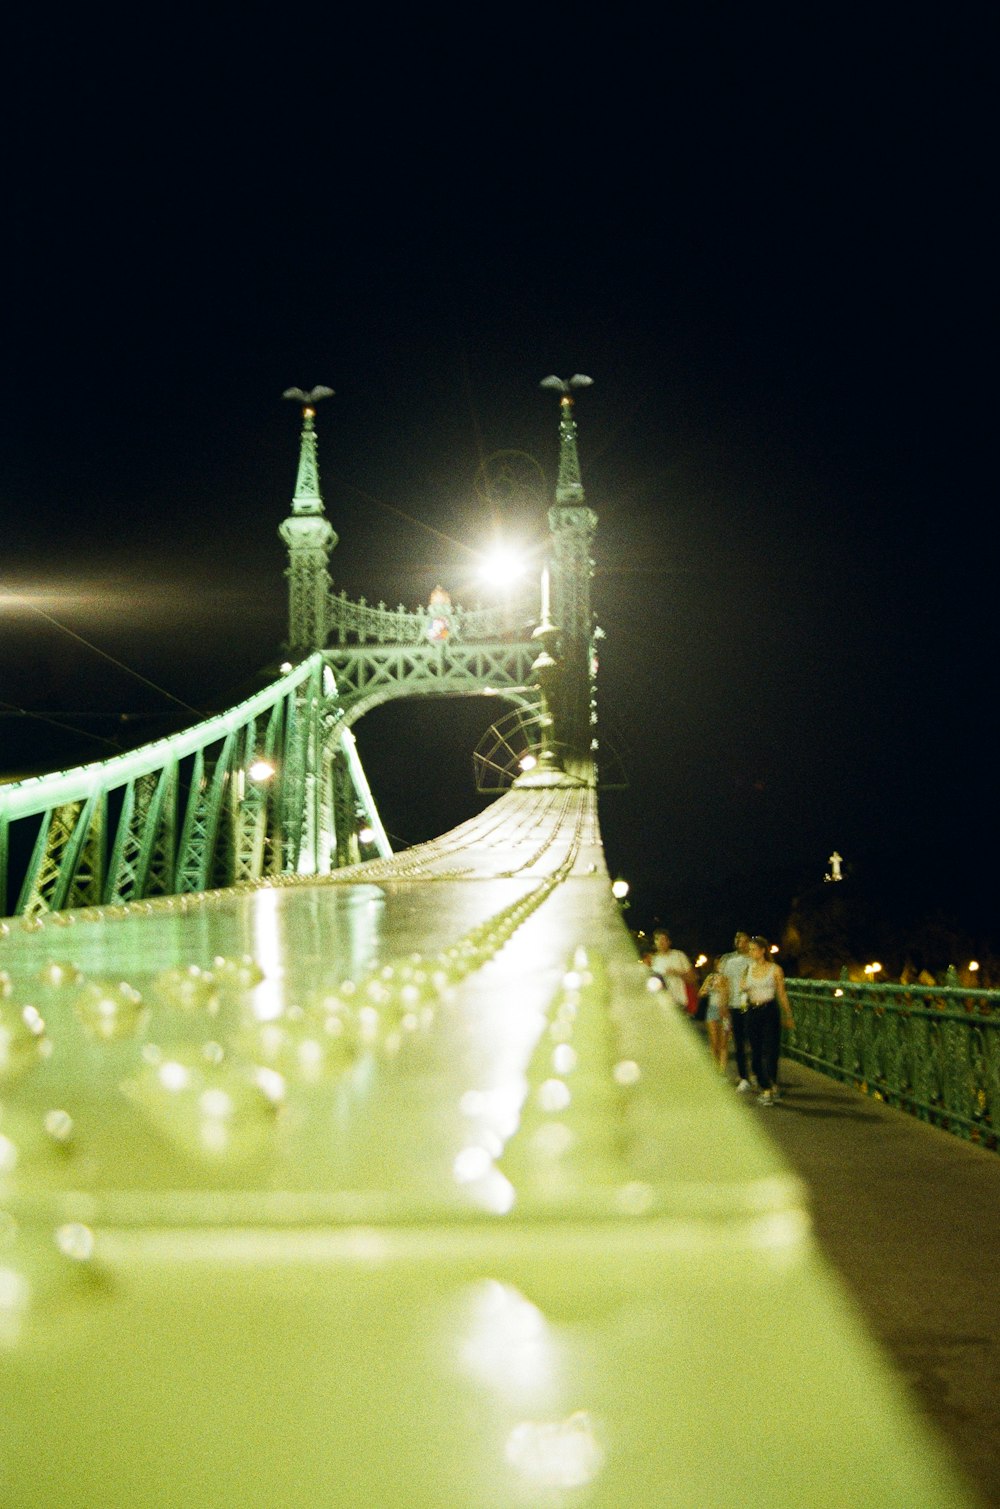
446, 1209
910, 1217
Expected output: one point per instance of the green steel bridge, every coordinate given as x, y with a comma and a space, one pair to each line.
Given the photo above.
334, 1176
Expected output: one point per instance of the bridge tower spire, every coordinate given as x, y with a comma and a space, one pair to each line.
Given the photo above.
571, 529
309, 536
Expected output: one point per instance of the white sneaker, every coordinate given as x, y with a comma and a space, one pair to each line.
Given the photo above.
743, 1086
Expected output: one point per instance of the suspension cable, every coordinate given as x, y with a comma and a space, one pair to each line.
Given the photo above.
105, 656
54, 723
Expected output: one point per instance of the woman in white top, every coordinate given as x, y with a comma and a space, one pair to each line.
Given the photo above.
767, 1008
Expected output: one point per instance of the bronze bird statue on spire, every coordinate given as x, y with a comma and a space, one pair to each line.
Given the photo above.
313, 396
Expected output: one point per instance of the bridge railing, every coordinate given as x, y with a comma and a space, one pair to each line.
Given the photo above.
931, 1050
360, 622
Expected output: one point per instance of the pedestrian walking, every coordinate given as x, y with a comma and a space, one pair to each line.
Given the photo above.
716, 988
734, 967
767, 1008
673, 967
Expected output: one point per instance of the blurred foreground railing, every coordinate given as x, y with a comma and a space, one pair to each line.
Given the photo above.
931, 1050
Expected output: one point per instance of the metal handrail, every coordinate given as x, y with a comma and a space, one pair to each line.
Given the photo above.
931, 1050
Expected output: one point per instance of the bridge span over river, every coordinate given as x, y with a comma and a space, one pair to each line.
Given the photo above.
332, 1176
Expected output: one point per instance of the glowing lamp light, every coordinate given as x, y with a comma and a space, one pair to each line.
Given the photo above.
701, 959
973, 966
774, 950
502, 567
366, 834
261, 770
619, 889
527, 762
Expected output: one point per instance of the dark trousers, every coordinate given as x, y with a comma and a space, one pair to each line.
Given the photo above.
740, 1040
764, 1027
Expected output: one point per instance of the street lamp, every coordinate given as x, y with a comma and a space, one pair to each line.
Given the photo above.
502, 567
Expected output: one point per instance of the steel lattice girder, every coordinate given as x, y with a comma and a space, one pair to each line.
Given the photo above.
182, 812
375, 674
66, 864
257, 813
144, 855
209, 787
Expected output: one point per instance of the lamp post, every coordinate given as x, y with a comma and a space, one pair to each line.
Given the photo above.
545, 671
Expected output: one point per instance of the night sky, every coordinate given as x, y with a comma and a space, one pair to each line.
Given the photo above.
765, 240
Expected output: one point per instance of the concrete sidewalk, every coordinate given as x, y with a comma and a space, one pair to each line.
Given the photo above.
910, 1218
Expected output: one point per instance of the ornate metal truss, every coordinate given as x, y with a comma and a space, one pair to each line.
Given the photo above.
243, 795
361, 623
378, 653
275, 785
368, 677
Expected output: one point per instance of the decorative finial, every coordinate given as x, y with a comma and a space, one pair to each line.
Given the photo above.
308, 400
565, 385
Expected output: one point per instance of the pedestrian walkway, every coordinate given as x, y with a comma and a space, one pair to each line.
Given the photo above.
910, 1218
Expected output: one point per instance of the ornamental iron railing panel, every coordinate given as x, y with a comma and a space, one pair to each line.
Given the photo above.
931, 1050
363, 623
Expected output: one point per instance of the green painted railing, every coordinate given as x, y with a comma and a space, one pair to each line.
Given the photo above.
187, 812
362, 623
931, 1050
